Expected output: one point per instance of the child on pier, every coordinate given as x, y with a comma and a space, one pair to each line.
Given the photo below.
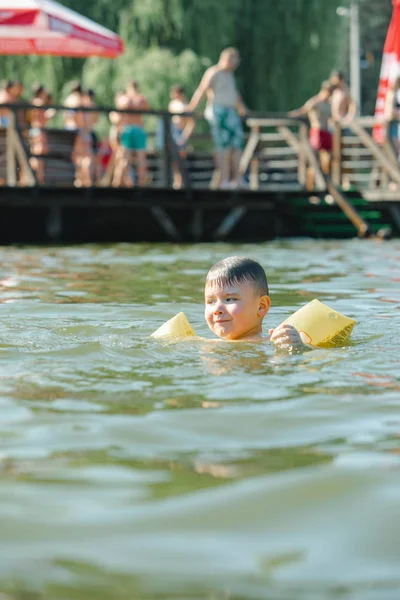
237, 300
318, 109
38, 120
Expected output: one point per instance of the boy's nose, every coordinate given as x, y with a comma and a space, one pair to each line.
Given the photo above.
219, 309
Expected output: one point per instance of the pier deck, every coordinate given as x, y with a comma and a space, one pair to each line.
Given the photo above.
360, 197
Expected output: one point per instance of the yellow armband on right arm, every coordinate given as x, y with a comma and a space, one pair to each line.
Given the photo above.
320, 325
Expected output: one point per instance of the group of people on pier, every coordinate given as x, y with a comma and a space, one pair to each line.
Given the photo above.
127, 144
127, 137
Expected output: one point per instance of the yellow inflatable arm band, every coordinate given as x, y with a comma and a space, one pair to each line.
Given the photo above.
317, 324
177, 327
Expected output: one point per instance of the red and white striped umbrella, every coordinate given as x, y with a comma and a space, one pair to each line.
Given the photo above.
46, 27
390, 69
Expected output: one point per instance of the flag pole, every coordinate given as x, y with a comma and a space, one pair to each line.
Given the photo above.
355, 79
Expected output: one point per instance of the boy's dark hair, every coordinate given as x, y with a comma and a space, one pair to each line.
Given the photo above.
76, 87
236, 270
338, 74
133, 84
177, 89
37, 88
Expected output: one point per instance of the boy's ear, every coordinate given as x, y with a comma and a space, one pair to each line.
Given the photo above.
264, 305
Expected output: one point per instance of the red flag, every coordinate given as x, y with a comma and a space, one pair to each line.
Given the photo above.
390, 69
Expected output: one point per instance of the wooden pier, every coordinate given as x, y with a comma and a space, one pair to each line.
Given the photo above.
360, 197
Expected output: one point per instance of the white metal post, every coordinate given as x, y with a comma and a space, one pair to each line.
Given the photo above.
355, 83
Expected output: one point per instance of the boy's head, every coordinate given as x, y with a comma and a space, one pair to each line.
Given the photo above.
133, 87
229, 59
326, 90
336, 78
176, 92
236, 298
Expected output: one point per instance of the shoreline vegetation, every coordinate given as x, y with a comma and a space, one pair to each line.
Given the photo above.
287, 49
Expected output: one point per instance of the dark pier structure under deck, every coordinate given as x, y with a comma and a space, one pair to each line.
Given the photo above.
360, 197
41, 215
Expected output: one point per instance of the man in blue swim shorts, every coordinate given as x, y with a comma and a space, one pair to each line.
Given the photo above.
133, 136
224, 111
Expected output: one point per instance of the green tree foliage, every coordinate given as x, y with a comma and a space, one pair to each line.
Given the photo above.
288, 47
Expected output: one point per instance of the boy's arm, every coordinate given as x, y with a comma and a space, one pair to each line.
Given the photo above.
201, 90
115, 117
352, 110
144, 105
241, 108
286, 337
303, 110
188, 130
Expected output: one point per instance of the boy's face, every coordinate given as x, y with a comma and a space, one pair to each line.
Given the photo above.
235, 312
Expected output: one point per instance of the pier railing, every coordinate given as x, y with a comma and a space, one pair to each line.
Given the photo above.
277, 154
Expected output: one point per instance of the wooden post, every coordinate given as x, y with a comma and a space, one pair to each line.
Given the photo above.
337, 155
197, 225
165, 222
391, 153
250, 149
166, 157
229, 222
54, 223
301, 157
255, 174
11, 160
28, 177
359, 223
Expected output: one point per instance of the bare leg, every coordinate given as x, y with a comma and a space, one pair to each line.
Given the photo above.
40, 171
141, 167
225, 166
310, 179
325, 159
86, 170
120, 166
236, 154
177, 182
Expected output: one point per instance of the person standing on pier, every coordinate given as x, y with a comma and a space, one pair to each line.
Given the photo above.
6, 97
11, 94
133, 137
91, 119
37, 132
72, 101
318, 111
224, 110
181, 128
344, 108
77, 120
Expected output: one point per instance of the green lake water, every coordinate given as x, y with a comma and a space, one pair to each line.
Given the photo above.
136, 469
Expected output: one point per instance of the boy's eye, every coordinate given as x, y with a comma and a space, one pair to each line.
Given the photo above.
230, 299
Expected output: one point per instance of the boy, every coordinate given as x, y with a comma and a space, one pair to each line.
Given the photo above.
179, 125
224, 111
237, 300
